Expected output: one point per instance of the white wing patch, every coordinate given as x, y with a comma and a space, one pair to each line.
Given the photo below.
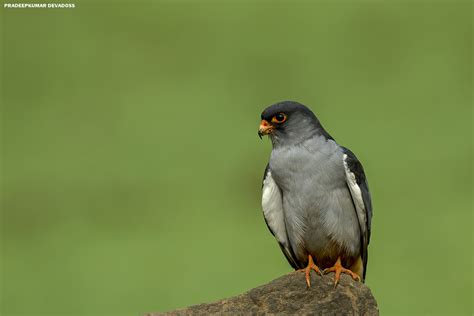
273, 209
356, 195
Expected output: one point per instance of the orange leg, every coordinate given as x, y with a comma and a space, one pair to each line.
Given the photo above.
307, 270
338, 269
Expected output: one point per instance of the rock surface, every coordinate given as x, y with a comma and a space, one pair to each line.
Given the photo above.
289, 295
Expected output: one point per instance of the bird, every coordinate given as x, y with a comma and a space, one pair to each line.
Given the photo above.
315, 196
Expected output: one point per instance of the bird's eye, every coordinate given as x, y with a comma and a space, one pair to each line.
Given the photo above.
279, 118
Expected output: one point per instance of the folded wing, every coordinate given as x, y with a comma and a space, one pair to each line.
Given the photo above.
274, 216
357, 183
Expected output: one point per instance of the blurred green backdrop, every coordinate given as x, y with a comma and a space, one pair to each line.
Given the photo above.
131, 167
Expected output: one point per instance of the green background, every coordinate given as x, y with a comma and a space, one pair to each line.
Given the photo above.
131, 166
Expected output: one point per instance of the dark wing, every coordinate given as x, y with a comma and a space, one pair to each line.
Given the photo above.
274, 217
357, 183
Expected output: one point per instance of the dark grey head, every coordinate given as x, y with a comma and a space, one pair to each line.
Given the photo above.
290, 122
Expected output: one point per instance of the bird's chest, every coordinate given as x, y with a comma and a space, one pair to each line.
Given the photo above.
314, 197
304, 172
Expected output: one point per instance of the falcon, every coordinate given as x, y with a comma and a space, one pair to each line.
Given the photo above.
315, 197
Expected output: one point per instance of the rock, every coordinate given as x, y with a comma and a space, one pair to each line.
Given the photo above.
289, 295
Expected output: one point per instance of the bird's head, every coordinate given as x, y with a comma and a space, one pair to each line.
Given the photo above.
288, 122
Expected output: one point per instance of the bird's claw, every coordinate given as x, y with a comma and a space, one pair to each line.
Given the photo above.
307, 270
338, 269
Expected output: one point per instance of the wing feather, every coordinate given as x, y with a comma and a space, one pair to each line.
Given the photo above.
357, 184
274, 217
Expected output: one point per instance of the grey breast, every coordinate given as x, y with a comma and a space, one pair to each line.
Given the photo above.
319, 214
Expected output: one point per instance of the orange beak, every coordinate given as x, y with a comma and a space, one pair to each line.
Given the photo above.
265, 128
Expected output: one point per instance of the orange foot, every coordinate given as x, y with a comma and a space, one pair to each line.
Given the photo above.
338, 269
307, 270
